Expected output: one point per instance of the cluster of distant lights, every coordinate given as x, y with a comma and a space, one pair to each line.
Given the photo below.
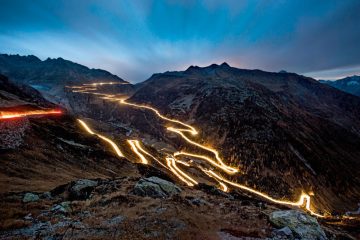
172, 161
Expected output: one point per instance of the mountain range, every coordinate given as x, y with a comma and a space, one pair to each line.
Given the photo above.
285, 132
50, 76
347, 84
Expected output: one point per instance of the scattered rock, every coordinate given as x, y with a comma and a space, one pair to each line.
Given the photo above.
46, 195
211, 189
28, 217
199, 202
155, 187
284, 232
81, 189
30, 197
114, 221
160, 210
85, 214
301, 224
63, 207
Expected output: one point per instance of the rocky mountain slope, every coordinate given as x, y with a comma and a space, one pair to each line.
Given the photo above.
51, 75
287, 134
348, 84
31, 70
41, 152
134, 207
59, 182
277, 127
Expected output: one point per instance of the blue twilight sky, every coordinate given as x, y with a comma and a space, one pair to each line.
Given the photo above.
136, 38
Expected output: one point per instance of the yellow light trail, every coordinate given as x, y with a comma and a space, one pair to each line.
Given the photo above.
147, 153
9, 115
223, 187
174, 161
105, 83
304, 198
192, 130
182, 162
180, 174
135, 146
189, 128
221, 165
112, 144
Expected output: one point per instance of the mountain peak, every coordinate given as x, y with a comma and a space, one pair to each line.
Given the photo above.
192, 67
59, 71
212, 66
225, 64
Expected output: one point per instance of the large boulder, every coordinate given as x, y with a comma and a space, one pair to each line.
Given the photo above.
301, 224
155, 187
81, 189
30, 197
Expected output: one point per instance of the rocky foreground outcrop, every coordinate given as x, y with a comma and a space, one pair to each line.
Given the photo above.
156, 187
114, 209
301, 225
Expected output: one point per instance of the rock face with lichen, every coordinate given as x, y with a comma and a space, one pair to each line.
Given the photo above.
301, 224
82, 188
30, 197
156, 187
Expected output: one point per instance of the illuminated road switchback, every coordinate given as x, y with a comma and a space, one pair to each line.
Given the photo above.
171, 161
180, 174
303, 200
112, 144
10, 115
135, 146
193, 131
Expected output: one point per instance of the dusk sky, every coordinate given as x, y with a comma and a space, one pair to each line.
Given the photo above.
136, 38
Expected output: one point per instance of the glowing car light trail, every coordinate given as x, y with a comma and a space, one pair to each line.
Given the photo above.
193, 131
148, 154
135, 146
304, 198
171, 161
222, 166
190, 129
181, 175
112, 144
223, 187
9, 115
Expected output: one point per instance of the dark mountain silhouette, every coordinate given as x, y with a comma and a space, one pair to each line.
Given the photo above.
51, 76
31, 70
348, 84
